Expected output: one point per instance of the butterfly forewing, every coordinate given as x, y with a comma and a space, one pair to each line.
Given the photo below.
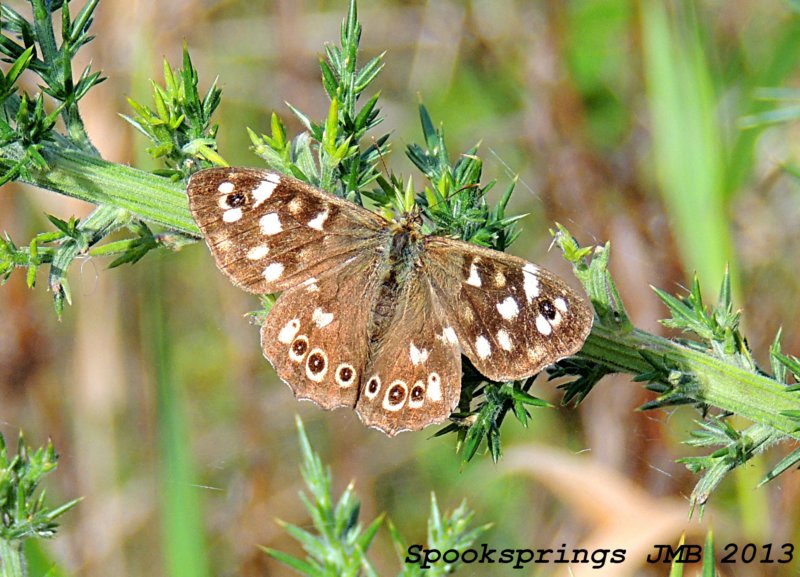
315, 341
413, 376
269, 232
512, 317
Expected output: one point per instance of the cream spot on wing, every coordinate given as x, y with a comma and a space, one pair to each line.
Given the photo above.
543, 326
561, 304
450, 335
289, 331
416, 355
319, 220
504, 340
263, 191
508, 309
467, 314
232, 215
311, 285
321, 318
530, 281
226, 187
434, 387
258, 252
482, 347
499, 279
270, 224
273, 271
272, 177
474, 279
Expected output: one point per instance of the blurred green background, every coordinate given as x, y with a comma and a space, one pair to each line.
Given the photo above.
623, 120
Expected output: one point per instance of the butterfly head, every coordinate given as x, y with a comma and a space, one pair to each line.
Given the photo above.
412, 218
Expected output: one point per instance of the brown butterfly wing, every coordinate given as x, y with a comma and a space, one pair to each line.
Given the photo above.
269, 232
316, 334
512, 318
413, 375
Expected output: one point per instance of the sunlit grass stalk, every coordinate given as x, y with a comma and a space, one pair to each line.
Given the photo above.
691, 156
183, 533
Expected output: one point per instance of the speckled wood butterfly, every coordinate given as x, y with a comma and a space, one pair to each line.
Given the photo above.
375, 314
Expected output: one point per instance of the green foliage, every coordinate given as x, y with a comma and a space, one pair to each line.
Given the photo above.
708, 568
780, 115
718, 327
52, 63
718, 332
180, 126
338, 545
482, 409
23, 511
455, 202
181, 506
450, 531
28, 135
714, 370
8, 80
609, 310
330, 153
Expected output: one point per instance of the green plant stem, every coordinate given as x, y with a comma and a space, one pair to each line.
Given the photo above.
44, 31
12, 560
720, 384
160, 200
80, 175
77, 129
43, 23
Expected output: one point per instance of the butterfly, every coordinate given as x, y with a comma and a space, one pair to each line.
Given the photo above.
374, 314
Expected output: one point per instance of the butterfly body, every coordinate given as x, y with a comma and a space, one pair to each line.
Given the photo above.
373, 314
399, 259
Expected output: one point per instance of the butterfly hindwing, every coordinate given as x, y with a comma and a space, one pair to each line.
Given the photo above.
316, 343
413, 376
269, 232
512, 317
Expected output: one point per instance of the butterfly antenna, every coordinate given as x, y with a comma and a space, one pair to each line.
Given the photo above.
380, 155
452, 193
537, 196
